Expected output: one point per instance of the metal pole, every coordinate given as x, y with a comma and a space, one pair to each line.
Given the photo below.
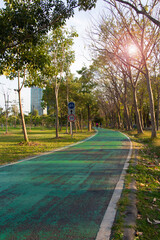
71, 129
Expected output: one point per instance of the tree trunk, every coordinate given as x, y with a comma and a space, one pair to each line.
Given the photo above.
67, 105
76, 126
81, 122
57, 111
151, 101
61, 123
118, 115
158, 100
78, 123
138, 120
6, 123
126, 112
89, 120
119, 120
6, 101
21, 111
128, 123
71, 128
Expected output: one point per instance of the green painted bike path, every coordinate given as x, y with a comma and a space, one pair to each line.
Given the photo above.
63, 195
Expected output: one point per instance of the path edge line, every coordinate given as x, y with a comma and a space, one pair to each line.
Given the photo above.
109, 216
47, 153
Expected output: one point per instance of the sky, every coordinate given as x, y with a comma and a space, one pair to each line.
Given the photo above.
82, 23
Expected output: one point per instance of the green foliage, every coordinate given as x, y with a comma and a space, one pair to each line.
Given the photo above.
23, 23
55, 59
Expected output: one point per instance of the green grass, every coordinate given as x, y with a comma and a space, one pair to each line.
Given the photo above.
147, 175
13, 148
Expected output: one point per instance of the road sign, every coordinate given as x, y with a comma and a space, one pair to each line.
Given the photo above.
71, 111
71, 118
71, 105
71, 108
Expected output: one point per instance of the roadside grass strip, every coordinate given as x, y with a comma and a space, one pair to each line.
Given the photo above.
145, 171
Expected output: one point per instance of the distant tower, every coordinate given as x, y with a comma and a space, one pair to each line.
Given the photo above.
36, 98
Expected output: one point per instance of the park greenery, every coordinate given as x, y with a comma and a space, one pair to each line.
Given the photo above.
120, 89
12, 147
145, 170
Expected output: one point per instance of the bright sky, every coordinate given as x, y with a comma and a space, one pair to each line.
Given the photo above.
82, 22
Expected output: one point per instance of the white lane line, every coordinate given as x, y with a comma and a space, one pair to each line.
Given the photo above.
109, 216
46, 153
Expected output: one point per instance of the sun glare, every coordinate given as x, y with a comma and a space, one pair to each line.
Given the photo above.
132, 50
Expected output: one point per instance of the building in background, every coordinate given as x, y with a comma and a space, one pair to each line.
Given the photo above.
36, 98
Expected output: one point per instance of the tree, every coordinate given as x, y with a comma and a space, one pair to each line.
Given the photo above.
116, 37
36, 58
15, 113
6, 101
60, 55
87, 86
141, 7
23, 22
114, 85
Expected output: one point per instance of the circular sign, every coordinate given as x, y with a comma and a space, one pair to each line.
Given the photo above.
71, 105
71, 118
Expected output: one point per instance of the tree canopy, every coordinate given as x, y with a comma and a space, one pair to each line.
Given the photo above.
22, 23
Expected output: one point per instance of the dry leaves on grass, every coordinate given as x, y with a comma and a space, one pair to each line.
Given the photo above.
154, 221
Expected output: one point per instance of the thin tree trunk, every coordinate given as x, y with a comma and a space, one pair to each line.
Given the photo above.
118, 114
76, 126
151, 101
158, 102
6, 100
21, 111
81, 122
141, 111
78, 123
119, 119
128, 123
71, 130
128, 127
67, 105
138, 120
61, 123
57, 111
89, 119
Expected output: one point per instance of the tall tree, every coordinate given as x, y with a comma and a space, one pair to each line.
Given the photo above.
60, 56
87, 85
26, 21
116, 42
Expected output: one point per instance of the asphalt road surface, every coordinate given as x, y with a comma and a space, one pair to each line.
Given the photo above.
63, 195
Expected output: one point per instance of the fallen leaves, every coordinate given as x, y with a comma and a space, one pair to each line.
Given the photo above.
139, 233
153, 222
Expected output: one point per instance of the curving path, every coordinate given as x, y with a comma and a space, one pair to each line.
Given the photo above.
62, 195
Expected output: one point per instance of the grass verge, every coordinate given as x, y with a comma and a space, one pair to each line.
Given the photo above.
12, 147
146, 173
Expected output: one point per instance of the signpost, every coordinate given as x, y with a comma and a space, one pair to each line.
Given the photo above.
71, 118
71, 105
71, 114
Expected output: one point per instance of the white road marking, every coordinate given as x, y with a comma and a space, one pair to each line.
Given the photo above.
108, 219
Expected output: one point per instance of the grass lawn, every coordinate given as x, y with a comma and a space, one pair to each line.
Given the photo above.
146, 172
12, 147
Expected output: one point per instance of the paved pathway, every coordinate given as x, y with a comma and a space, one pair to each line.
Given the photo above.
63, 195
